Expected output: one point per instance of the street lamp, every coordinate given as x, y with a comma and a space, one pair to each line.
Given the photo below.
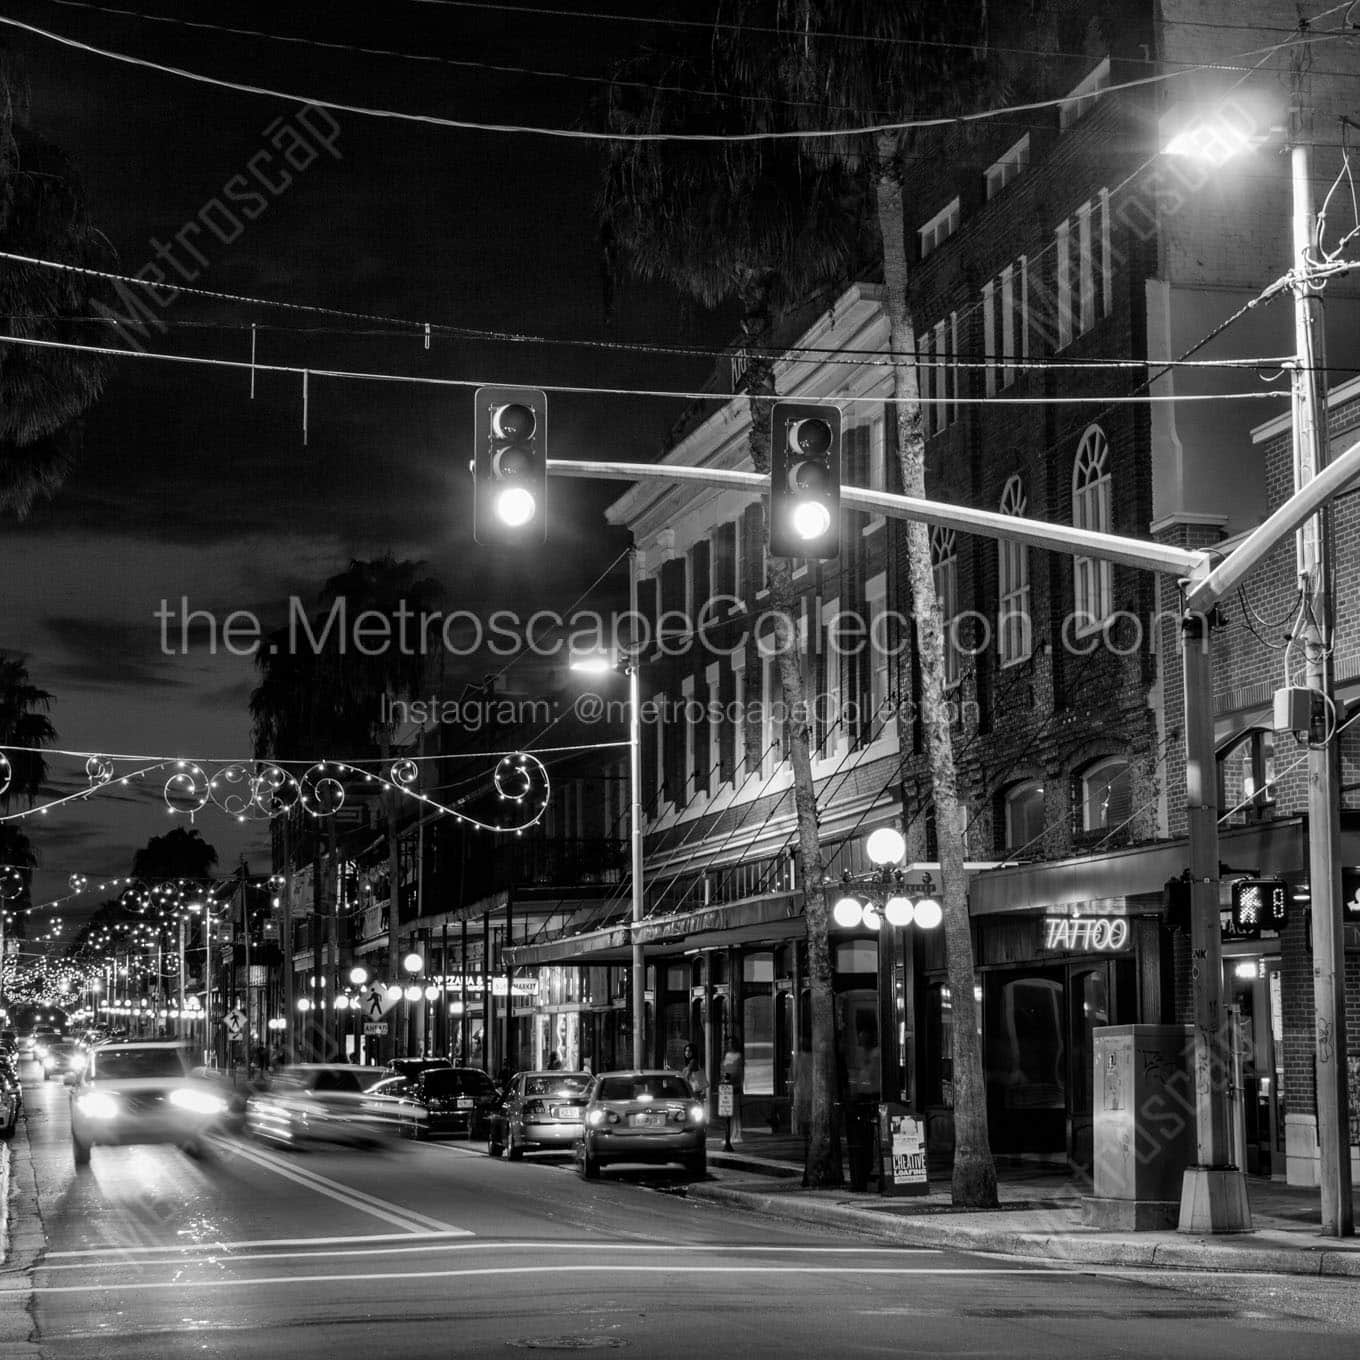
1205, 1207
596, 664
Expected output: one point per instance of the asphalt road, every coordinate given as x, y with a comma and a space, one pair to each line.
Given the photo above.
435, 1250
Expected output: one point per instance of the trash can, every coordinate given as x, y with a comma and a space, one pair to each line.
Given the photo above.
861, 1117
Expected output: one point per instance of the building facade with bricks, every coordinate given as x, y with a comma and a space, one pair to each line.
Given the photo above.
1065, 271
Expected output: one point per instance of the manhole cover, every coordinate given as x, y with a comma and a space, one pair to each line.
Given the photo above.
568, 1343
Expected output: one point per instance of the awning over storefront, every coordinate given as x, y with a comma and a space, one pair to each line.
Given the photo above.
775, 916
1271, 847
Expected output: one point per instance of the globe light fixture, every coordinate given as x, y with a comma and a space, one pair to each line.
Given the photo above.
899, 911
393, 993
358, 976
304, 1004
872, 921
847, 912
928, 913
886, 845
413, 963
412, 993
432, 993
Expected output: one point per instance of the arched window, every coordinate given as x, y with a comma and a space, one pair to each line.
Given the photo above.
1025, 816
1014, 630
944, 562
1105, 795
1093, 581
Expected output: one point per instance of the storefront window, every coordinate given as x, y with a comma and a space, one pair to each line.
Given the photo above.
757, 1013
856, 956
1026, 1062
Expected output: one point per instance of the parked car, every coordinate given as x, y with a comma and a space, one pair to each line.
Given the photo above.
324, 1103
642, 1116
141, 1092
411, 1068
11, 1098
60, 1057
539, 1110
449, 1100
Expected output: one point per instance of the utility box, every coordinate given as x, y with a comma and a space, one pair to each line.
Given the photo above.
1144, 1134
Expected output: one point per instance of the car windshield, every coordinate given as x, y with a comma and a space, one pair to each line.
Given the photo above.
121, 1063
658, 1086
556, 1085
450, 1081
342, 1079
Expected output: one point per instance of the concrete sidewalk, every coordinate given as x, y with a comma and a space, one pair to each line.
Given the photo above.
1040, 1216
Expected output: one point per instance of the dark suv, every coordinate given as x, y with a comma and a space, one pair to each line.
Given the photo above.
451, 1100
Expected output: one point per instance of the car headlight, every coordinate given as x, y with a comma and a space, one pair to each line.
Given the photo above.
697, 1114
198, 1102
595, 1118
97, 1105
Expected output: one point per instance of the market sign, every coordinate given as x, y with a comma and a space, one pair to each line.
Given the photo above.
523, 986
1085, 934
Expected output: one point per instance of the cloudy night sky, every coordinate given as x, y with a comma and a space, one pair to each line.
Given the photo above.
188, 488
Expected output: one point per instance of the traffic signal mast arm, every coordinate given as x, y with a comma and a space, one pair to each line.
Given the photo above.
1132, 552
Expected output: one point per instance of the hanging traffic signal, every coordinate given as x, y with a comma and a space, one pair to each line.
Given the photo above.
1259, 904
805, 480
510, 465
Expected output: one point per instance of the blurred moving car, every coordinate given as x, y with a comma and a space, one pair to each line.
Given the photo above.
538, 1110
220, 1081
43, 1039
449, 1100
60, 1057
642, 1116
324, 1103
141, 1092
411, 1068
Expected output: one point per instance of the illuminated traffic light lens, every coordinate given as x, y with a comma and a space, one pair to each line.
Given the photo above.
515, 421
812, 438
516, 506
811, 520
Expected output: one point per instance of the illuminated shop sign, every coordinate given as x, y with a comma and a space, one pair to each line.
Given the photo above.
1085, 934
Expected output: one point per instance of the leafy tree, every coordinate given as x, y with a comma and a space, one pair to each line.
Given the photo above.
181, 853
43, 392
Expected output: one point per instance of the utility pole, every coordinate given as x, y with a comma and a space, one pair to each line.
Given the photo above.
179, 1019
286, 941
245, 927
1314, 558
639, 965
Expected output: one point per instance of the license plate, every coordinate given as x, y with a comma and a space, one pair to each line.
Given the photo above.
647, 1121
571, 1112
465, 1102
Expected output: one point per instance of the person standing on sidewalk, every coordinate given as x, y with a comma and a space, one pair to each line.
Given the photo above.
693, 1072
733, 1072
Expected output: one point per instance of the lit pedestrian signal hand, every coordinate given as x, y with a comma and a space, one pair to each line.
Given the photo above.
805, 480
510, 465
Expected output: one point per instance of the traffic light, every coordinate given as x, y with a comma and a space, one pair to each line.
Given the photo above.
1259, 904
805, 480
510, 465
1176, 898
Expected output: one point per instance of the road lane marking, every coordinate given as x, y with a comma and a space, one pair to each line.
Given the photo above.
458, 1244
542, 1269
245, 1244
389, 1212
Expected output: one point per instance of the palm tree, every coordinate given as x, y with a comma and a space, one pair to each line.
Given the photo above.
42, 392
765, 227
920, 59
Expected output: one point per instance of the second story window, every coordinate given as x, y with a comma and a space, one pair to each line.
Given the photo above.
1084, 269
1092, 579
1005, 324
939, 229
1007, 167
938, 367
1106, 802
1014, 629
944, 561
1084, 95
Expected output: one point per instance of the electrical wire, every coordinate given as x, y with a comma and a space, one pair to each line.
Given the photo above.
587, 135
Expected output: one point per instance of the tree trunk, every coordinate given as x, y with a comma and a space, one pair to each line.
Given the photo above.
823, 1153
974, 1181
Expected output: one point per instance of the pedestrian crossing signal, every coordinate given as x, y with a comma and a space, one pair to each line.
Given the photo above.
1259, 904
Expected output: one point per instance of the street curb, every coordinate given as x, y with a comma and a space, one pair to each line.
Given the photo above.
1192, 1254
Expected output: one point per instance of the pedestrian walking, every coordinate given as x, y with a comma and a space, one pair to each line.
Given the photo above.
734, 1073
693, 1072
800, 1098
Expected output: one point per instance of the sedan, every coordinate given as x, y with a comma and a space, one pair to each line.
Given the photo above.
141, 1093
540, 1110
323, 1103
11, 1099
643, 1116
450, 1100
62, 1057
